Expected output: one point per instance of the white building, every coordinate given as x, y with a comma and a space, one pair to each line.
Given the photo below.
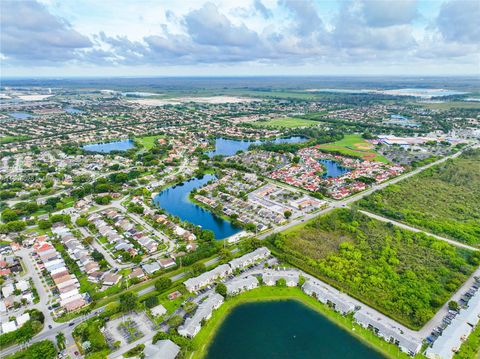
271, 278
204, 279
204, 311
249, 258
388, 331
241, 284
328, 296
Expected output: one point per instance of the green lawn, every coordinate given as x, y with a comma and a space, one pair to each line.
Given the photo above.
452, 104
288, 122
354, 145
8, 139
262, 294
147, 141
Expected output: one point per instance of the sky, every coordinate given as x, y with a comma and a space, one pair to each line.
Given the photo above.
61, 38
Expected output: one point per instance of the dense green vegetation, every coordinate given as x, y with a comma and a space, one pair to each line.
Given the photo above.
470, 348
406, 275
443, 199
26, 332
40, 350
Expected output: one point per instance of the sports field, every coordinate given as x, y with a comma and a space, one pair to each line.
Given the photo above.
354, 145
148, 141
287, 122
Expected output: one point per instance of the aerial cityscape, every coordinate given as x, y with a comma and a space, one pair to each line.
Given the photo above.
240, 180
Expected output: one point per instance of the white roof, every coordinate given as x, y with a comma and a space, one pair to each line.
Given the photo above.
22, 285
9, 327
21, 320
158, 310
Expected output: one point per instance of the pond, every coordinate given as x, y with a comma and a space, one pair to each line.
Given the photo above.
333, 169
225, 147
20, 115
284, 329
175, 201
110, 146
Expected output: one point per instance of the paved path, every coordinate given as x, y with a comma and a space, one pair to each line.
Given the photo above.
413, 229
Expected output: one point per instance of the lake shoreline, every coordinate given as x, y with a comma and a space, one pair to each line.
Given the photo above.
204, 338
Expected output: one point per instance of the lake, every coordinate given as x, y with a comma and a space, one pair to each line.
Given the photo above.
225, 147
20, 115
284, 329
110, 146
175, 201
333, 169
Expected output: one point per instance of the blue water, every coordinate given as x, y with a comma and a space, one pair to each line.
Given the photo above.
226, 147
174, 200
20, 115
110, 146
285, 329
399, 117
73, 111
333, 169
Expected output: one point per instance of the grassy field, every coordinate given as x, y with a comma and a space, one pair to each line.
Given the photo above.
354, 145
407, 276
443, 200
451, 104
262, 294
9, 139
147, 141
288, 122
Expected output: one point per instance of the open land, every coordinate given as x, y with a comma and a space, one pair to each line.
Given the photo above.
405, 275
443, 200
288, 122
354, 145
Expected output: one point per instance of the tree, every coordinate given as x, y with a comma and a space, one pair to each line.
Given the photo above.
189, 307
44, 224
162, 284
97, 256
281, 282
128, 301
198, 268
453, 305
221, 289
175, 321
225, 254
151, 301
81, 222
9, 215
287, 214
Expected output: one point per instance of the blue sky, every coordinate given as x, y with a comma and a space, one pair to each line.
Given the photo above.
248, 37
